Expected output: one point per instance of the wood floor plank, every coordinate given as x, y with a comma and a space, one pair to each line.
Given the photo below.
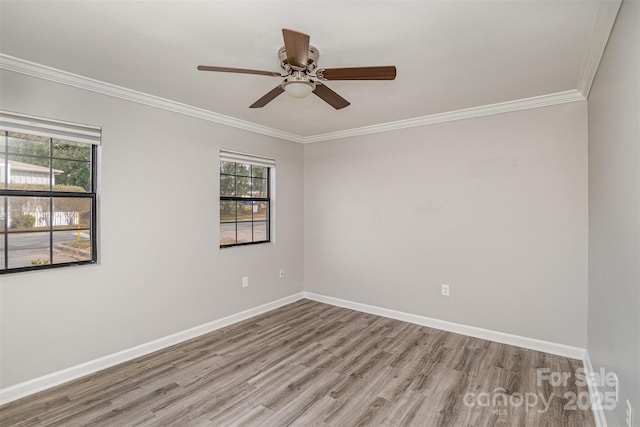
312, 364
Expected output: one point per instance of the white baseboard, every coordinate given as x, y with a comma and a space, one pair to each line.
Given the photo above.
472, 331
598, 411
35, 385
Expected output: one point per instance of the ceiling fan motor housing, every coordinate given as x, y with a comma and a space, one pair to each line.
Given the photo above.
312, 61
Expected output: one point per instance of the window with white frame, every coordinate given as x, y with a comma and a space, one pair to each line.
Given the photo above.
47, 193
245, 198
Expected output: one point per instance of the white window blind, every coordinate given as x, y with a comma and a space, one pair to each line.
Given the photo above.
14, 122
252, 159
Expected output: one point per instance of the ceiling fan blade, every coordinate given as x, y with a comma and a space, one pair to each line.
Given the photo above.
270, 96
238, 70
330, 97
297, 47
387, 72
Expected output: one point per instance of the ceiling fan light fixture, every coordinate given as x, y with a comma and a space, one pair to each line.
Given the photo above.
298, 88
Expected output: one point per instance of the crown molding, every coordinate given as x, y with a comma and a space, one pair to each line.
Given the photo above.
22, 66
602, 27
467, 113
11, 63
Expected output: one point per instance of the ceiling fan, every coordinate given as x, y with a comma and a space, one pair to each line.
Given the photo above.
299, 60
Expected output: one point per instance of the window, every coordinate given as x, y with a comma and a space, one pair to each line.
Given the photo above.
47, 193
245, 198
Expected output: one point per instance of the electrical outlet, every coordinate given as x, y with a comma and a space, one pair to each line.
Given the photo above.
281, 273
445, 290
629, 414
245, 282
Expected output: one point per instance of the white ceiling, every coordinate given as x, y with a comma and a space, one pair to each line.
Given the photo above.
450, 55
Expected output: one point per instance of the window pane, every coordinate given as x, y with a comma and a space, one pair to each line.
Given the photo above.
243, 186
228, 168
28, 213
259, 171
227, 185
3, 217
245, 211
245, 232
3, 160
2, 230
71, 150
243, 169
28, 173
2, 254
70, 213
260, 231
227, 233
28, 249
260, 211
71, 175
227, 211
20, 143
71, 246
3, 173
259, 187
245, 214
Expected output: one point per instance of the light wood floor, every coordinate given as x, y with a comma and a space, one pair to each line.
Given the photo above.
311, 364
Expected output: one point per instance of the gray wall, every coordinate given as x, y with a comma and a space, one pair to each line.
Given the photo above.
614, 211
496, 207
161, 270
